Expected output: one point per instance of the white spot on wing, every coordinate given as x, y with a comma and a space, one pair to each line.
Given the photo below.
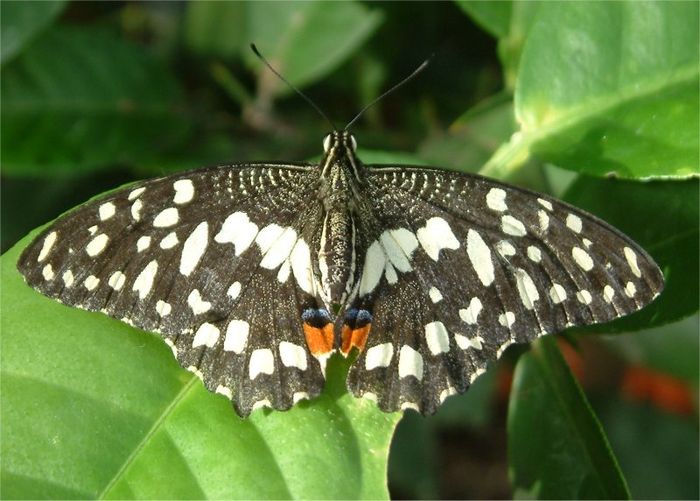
46, 246
143, 243
574, 223
169, 241
184, 191
117, 280
206, 335
97, 245
410, 363
631, 258
68, 278
299, 396
435, 236
239, 231
262, 361
395, 253
435, 295
47, 272
480, 257
630, 289
193, 248
465, 343
507, 319
225, 391
505, 248
199, 306
91, 282
234, 290
268, 236
608, 293
545, 203
375, 261
471, 313
584, 297
106, 211
167, 217
379, 356
144, 281
436, 337
279, 250
496, 199
406, 240
236, 336
512, 226
526, 289
293, 355
135, 193
301, 266
534, 254
557, 293
390, 273
163, 309
543, 219
136, 209
582, 258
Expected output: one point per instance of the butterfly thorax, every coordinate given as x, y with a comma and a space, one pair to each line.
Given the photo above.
339, 191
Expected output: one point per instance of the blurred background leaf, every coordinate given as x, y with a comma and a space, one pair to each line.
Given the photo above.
102, 102
557, 447
97, 94
20, 22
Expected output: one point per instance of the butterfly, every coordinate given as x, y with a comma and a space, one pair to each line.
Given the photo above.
255, 273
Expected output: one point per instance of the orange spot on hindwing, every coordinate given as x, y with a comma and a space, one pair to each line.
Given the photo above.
318, 331
355, 330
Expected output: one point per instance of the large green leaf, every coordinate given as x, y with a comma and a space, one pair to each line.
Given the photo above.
556, 446
94, 408
306, 40
20, 22
508, 21
609, 88
663, 218
216, 28
104, 101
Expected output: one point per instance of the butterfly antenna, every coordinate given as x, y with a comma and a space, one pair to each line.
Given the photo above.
307, 98
410, 77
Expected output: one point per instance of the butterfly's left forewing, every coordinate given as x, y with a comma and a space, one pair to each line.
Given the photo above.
205, 259
465, 266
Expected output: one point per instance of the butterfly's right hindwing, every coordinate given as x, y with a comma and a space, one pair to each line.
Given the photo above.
203, 258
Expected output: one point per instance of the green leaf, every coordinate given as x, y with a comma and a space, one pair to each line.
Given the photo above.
658, 451
21, 22
307, 40
508, 21
492, 16
104, 101
556, 446
92, 408
663, 218
609, 87
672, 349
216, 28
473, 137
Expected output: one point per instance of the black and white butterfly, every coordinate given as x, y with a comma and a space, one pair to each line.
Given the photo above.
256, 273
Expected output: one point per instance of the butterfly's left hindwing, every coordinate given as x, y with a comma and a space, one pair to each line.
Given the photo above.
204, 259
465, 266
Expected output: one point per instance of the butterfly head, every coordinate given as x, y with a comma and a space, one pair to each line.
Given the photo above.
339, 142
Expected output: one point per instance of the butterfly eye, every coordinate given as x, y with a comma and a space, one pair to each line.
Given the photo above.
327, 143
353, 143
